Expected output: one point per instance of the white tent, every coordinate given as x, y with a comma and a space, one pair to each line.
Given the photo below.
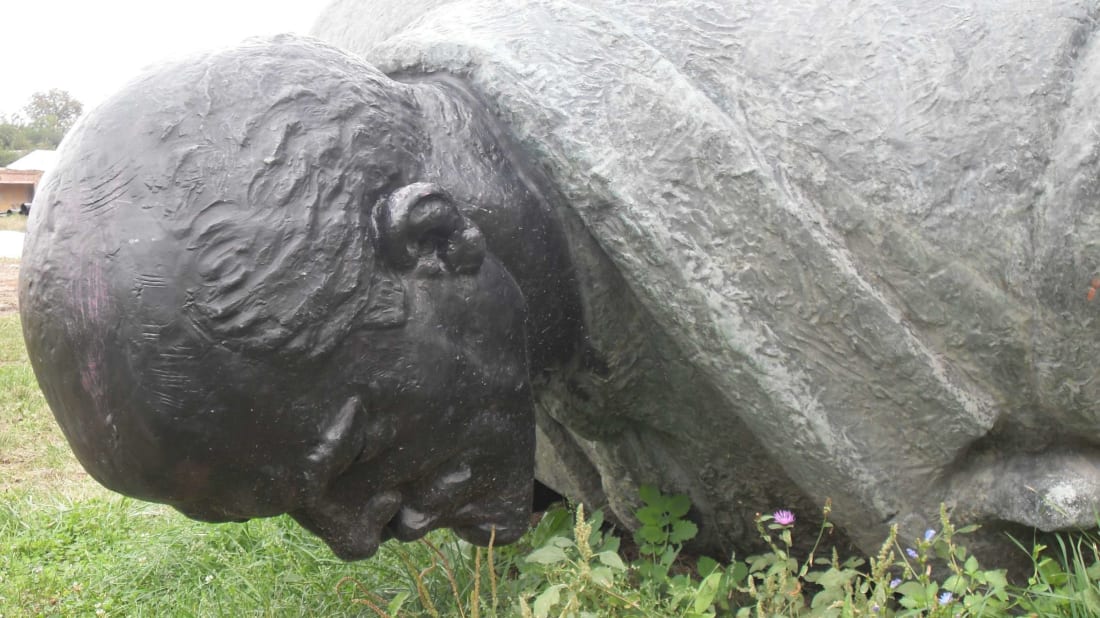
41, 160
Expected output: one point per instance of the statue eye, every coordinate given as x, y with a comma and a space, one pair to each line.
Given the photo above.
429, 245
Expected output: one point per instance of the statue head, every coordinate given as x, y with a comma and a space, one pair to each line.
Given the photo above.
242, 297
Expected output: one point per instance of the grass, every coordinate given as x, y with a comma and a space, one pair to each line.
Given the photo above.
14, 223
33, 452
70, 548
73, 557
109, 555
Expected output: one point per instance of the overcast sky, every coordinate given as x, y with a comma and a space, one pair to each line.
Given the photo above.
91, 47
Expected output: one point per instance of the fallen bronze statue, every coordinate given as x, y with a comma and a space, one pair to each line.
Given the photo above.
763, 255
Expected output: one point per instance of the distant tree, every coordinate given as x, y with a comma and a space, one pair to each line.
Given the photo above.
53, 111
14, 142
44, 122
14, 137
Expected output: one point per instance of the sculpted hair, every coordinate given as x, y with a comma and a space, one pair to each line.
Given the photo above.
269, 158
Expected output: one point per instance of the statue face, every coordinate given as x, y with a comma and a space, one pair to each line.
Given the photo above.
450, 419
435, 428
423, 417
288, 333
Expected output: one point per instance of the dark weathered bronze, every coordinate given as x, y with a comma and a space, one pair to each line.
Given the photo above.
260, 285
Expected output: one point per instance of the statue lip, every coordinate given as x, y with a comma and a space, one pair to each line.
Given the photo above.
359, 542
410, 525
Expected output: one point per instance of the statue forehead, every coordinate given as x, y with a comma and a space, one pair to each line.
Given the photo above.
265, 88
266, 109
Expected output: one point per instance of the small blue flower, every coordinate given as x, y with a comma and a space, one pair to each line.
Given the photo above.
894, 583
874, 608
945, 598
929, 534
912, 553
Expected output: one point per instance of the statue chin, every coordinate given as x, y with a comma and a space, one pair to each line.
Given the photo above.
497, 534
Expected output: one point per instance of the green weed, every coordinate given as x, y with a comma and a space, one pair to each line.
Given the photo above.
70, 548
108, 555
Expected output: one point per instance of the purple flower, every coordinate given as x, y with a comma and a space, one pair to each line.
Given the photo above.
945, 598
929, 534
874, 608
894, 583
783, 517
912, 553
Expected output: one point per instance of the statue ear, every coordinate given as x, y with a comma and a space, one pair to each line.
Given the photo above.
420, 224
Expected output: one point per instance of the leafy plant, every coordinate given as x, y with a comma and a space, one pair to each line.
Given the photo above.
1064, 584
578, 576
967, 590
662, 533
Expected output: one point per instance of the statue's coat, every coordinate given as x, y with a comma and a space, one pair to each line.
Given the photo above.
851, 242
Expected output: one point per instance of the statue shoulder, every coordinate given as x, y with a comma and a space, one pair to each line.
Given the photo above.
442, 31
355, 23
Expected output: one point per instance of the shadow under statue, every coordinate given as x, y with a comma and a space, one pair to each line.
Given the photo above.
603, 246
